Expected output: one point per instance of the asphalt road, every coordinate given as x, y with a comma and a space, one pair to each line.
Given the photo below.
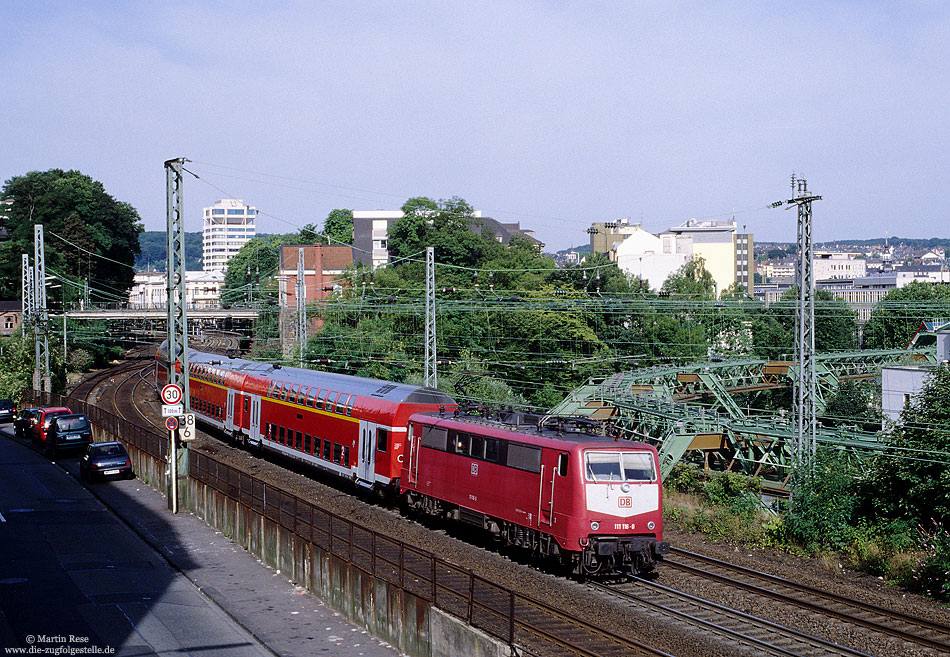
76, 572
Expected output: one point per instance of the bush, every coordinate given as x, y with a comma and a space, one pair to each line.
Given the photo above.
931, 574
735, 492
684, 478
822, 504
79, 360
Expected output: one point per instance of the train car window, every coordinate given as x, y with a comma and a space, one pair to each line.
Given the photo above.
273, 432
311, 395
331, 398
341, 403
345, 462
298, 441
562, 464
434, 438
477, 448
281, 435
267, 430
382, 440
637, 466
524, 457
292, 397
491, 449
306, 443
461, 441
337, 452
603, 466
349, 405
321, 398
326, 449
247, 404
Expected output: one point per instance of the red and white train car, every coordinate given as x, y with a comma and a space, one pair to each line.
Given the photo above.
593, 502
352, 426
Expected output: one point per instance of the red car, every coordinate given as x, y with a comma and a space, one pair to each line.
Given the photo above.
41, 423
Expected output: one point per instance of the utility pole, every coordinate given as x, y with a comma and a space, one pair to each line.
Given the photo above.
27, 286
177, 364
431, 374
301, 291
41, 374
805, 383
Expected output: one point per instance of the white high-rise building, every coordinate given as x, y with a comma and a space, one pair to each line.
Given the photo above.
228, 225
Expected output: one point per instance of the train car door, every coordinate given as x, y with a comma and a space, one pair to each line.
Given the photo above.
549, 476
255, 426
366, 466
229, 415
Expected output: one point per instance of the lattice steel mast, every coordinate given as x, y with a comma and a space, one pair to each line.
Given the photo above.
177, 364
301, 291
805, 383
431, 375
41, 374
26, 280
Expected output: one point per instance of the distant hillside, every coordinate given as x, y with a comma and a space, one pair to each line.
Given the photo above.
154, 255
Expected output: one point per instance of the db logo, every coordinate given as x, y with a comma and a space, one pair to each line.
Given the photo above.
625, 502
475, 468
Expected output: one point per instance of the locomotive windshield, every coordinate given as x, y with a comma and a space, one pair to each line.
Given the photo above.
619, 466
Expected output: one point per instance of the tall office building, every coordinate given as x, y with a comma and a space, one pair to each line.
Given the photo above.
228, 225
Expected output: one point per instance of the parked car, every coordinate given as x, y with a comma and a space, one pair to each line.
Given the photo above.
7, 410
68, 432
23, 423
103, 460
42, 420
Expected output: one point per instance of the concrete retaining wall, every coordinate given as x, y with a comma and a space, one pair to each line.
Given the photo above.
386, 611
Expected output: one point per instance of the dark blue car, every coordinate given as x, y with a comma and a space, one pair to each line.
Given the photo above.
105, 460
67, 432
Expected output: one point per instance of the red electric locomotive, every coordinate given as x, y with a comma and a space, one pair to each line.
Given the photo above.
593, 502
352, 426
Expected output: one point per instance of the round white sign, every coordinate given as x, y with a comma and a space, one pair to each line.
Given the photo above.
171, 394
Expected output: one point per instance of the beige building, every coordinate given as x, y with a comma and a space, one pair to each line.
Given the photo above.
202, 289
227, 226
605, 235
830, 265
715, 242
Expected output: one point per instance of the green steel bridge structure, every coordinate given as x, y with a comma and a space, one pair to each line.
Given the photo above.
689, 412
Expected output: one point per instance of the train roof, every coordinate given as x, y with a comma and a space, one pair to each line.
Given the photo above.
522, 427
357, 385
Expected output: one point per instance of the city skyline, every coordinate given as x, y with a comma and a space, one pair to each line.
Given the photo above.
553, 115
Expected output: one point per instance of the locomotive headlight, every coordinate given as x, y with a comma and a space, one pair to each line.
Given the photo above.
651, 525
625, 488
594, 525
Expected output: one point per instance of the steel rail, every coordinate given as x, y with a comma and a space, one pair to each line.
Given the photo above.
928, 633
741, 628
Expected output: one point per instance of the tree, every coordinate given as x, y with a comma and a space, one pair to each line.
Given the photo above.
852, 404
446, 225
338, 227
897, 316
257, 259
910, 481
88, 234
691, 281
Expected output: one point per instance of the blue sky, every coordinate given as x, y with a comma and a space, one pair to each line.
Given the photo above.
554, 114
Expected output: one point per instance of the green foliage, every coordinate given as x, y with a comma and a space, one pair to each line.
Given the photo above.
691, 281
79, 360
154, 251
852, 404
257, 260
931, 574
684, 478
76, 208
897, 316
16, 365
911, 479
738, 493
338, 227
823, 503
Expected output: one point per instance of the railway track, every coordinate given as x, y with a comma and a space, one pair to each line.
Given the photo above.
758, 636
912, 630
